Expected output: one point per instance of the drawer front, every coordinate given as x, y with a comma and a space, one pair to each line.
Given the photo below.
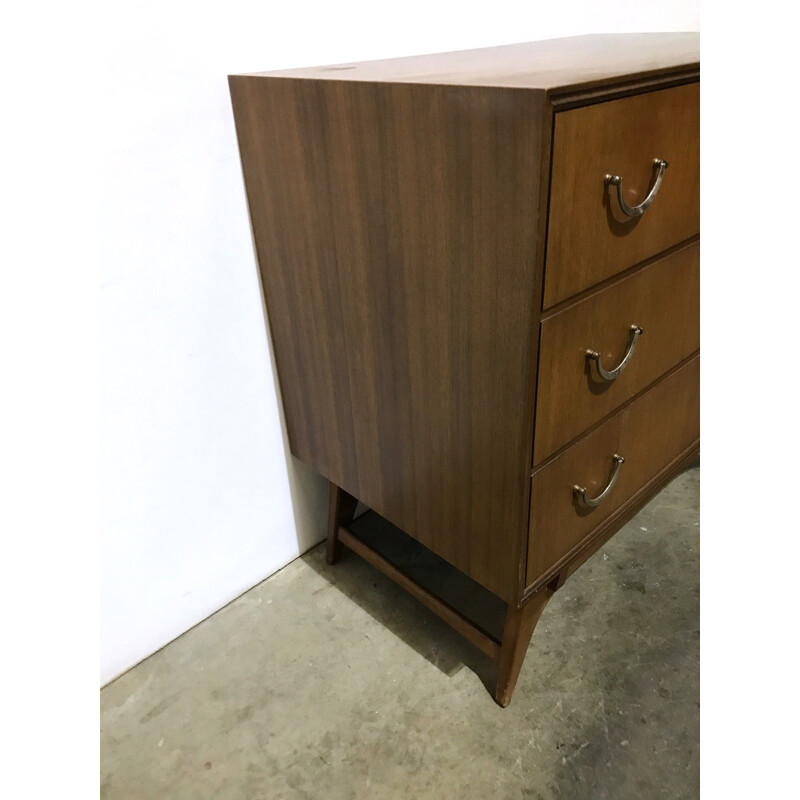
590, 238
649, 434
663, 300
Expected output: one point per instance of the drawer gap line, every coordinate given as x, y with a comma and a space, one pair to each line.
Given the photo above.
547, 460
618, 277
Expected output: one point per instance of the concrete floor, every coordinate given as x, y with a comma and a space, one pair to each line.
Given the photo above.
330, 682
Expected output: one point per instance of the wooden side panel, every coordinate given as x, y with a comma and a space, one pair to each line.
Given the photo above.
659, 426
395, 226
662, 298
589, 238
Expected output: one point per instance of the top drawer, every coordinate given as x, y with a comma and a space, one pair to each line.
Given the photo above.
589, 236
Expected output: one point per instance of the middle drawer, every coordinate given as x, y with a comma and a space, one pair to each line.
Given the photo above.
662, 299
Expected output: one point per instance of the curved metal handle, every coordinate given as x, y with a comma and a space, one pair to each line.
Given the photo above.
610, 374
659, 167
595, 501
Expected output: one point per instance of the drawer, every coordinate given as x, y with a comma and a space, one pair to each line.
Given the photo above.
589, 237
662, 299
649, 434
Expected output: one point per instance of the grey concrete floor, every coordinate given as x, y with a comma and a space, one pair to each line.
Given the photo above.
330, 682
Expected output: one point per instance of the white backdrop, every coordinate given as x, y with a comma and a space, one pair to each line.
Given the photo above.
199, 498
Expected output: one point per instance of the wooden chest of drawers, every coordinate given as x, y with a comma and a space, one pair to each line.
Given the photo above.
481, 272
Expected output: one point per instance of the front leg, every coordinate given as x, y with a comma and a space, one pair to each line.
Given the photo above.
517, 633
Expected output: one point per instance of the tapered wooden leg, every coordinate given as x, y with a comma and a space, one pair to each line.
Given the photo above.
517, 633
341, 510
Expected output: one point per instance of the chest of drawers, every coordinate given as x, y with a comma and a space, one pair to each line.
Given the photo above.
481, 273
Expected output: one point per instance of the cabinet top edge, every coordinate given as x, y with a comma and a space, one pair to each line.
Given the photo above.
551, 65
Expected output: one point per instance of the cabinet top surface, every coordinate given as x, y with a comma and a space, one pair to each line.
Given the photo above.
546, 65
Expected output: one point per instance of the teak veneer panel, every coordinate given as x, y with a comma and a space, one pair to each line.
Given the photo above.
662, 298
589, 239
657, 427
399, 280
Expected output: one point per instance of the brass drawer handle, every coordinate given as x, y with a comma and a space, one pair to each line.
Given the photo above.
610, 374
659, 167
595, 501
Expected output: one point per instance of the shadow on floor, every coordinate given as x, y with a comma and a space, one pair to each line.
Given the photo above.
399, 612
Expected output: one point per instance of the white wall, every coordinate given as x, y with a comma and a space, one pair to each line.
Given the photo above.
200, 500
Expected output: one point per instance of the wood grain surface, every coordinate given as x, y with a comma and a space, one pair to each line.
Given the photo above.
662, 298
395, 226
655, 429
561, 570
589, 238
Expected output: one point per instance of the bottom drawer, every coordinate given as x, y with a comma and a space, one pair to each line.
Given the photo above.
649, 434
